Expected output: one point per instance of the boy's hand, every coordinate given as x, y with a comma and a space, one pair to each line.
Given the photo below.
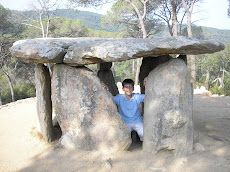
104, 86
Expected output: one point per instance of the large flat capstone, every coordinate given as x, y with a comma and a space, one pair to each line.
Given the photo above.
83, 51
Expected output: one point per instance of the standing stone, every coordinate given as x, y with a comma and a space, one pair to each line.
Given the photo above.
168, 122
86, 112
106, 76
148, 64
44, 105
183, 57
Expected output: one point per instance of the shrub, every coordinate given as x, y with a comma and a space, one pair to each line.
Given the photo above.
20, 91
216, 90
227, 86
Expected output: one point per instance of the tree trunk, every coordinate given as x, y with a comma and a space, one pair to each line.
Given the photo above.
47, 24
47, 28
189, 24
189, 29
207, 79
170, 29
222, 80
11, 87
133, 69
140, 17
137, 72
174, 18
42, 27
0, 99
193, 69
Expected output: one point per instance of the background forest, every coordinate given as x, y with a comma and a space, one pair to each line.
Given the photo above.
125, 19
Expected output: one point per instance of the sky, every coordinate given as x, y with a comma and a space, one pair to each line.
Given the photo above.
210, 13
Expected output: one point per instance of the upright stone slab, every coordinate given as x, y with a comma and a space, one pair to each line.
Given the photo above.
106, 76
44, 105
168, 122
86, 112
148, 64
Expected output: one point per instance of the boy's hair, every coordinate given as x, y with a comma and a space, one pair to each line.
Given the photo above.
127, 81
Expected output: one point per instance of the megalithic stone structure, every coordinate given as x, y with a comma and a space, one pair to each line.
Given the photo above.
86, 112
44, 104
106, 76
168, 122
148, 64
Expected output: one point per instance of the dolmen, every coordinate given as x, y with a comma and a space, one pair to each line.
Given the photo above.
85, 111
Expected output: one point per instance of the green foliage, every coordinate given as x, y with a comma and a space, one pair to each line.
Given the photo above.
64, 27
4, 20
123, 70
214, 34
227, 86
93, 67
89, 19
123, 17
32, 31
59, 27
215, 64
21, 92
104, 34
216, 90
197, 32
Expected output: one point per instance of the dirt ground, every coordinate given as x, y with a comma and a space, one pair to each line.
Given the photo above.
22, 149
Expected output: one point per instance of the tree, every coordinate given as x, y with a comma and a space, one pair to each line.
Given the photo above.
215, 67
224, 60
133, 11
207, 65
124, 16
189, 8
42, 8
8, 31
168, 11
229, 8
5, 59
63, 27
140, 7
197, 32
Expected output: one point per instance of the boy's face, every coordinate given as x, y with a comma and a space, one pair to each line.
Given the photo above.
128, 89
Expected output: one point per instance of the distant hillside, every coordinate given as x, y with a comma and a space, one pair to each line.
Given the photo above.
214, 34
90, 20
93, 21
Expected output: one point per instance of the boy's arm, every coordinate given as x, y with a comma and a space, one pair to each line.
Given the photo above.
142, 97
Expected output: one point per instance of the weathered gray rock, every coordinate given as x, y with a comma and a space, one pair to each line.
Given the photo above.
198, 147
86, 112
44, 105
82, 51
147, 65
106, 76
43, 50
168, 109
113, 50
104, 66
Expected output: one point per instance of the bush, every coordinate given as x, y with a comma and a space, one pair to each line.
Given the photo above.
227, 86
216, 90
22, 91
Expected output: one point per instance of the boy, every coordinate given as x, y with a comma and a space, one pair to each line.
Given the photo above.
129, 107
